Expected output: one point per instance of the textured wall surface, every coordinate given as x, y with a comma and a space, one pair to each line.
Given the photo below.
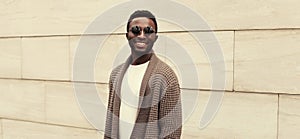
260, 41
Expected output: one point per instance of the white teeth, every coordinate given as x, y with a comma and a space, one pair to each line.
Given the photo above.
141, 44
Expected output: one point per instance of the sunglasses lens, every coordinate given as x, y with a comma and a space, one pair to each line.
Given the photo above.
148, 30
136, 30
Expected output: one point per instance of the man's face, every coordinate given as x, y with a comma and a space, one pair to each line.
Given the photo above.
141, 36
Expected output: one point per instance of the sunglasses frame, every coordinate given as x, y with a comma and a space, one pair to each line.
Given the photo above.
136, 30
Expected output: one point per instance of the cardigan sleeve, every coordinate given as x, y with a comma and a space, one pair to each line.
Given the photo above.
109, 114
170, 111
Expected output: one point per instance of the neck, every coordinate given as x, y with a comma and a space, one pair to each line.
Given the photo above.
137, 60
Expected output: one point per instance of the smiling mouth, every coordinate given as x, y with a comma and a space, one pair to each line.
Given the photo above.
141, 44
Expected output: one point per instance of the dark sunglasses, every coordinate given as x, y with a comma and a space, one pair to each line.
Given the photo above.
136, 30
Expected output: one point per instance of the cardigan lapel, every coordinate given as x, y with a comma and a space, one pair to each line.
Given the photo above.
136, 132
120, 79
147, 75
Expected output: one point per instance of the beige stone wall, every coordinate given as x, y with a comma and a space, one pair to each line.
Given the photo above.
260, 41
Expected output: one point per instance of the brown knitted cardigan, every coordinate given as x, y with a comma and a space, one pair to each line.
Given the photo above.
159, 113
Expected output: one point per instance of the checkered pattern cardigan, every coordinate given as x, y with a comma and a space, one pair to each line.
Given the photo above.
159, 113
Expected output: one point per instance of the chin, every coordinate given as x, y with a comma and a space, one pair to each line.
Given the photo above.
141, 51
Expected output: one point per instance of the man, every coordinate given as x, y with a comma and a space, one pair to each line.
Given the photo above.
144, 94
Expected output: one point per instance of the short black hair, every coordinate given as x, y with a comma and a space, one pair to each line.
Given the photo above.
142, 13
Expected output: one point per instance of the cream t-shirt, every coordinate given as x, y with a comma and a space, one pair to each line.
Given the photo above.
130, 90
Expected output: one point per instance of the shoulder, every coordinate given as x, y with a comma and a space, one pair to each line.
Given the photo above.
116, 71
165, 70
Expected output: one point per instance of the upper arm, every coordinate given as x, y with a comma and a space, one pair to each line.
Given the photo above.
170, 111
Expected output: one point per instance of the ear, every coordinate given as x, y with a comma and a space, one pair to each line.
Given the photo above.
127, 35
156, 37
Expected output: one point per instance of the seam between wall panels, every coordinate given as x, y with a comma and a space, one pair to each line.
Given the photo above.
69, 59
45, 101
220, 30
22, 58
44, 123
100, 83
278, 101
49, 80
233, 62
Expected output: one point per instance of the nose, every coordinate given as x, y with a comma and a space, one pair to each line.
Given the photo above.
141, 35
